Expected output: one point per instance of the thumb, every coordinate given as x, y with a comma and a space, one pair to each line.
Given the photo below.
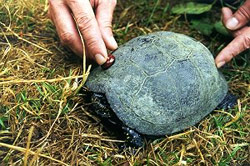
240, 18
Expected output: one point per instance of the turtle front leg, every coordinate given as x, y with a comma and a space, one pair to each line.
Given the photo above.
101, 107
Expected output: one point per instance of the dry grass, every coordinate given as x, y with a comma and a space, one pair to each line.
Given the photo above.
43, 120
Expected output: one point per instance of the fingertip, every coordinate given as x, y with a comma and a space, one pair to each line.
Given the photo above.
219, 60
100, 59
113, 44
220, 64
108, 38
223, 57
226, 14
232, 23
226, 10
223, 11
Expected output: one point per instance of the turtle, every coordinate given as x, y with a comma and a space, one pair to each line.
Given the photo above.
160, 84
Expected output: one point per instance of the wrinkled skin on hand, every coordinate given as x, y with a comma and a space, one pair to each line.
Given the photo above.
238, 24
94, 20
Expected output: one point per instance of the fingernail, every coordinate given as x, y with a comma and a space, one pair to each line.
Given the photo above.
219, 64
110, 61
113, 42
100, 59
232, 23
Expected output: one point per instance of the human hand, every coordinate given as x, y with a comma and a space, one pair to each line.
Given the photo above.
94, 20
238, 24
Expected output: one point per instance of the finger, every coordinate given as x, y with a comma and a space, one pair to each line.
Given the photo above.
241, 31
240, 18
104, 16
239, 44
226, 14
89, 28
65, 26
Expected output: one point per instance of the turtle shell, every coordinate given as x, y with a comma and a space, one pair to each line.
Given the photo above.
161, 83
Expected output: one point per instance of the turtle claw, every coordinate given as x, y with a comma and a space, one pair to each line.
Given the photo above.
132, 137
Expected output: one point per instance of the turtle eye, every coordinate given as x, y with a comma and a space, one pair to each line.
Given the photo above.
110, 61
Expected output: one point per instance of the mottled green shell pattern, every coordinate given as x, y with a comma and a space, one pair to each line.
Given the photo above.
161, 83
